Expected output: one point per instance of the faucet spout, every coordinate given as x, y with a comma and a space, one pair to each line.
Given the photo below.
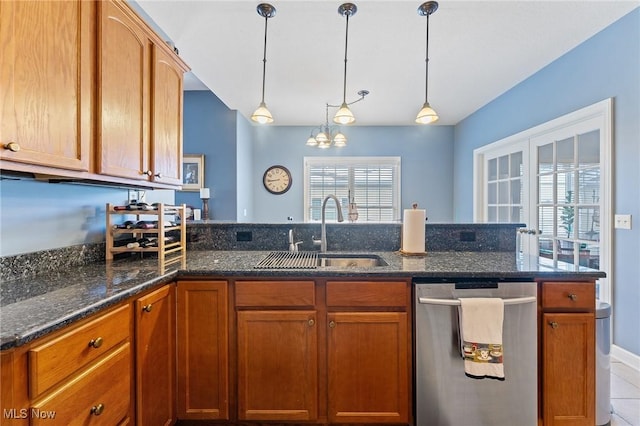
323, 235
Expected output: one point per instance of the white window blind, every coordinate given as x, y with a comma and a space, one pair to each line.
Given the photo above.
373, 183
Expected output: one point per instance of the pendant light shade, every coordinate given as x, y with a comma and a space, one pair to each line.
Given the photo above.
344, 114
262, 115
427, 114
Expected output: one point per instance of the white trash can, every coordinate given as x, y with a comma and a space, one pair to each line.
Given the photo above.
603, 364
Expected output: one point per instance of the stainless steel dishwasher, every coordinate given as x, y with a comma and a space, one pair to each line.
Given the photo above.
445, 396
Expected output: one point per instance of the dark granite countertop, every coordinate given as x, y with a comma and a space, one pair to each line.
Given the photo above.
33, 307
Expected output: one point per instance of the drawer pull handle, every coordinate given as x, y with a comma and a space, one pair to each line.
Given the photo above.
573, 297
332, 324
96, 343
553, 324
147, 308
96, 410
311, 322
12, 146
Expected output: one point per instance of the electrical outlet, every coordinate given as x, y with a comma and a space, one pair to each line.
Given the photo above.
622, 221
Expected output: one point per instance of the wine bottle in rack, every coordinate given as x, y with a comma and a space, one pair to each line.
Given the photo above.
143, 242
129, 224
124, 242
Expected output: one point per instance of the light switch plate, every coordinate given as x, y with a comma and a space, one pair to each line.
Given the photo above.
622, 221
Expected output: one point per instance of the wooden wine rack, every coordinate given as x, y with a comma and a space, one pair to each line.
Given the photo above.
168, 252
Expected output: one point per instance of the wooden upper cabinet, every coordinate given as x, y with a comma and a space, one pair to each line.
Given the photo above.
140, 100
46, 83
166, 129
123, 94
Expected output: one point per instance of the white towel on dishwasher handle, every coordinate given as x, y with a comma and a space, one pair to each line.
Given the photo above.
481, 321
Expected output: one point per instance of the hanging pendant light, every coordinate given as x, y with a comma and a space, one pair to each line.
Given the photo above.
427, 114
344, 114
261, 114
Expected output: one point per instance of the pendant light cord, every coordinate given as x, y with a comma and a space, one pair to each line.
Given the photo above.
346, 41
426, 61
264, 55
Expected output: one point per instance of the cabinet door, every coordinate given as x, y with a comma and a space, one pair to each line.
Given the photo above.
368, 367
123, 82
46, 82
166, 130
277, 365
203, 372
155, 357
568, 381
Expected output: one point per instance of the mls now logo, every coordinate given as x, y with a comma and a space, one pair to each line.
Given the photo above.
23, 413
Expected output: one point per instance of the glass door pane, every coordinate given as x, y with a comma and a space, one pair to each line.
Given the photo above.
568, 193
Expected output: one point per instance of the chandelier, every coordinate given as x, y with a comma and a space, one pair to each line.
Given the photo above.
325, 136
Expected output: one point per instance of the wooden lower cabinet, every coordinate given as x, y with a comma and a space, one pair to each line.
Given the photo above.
368, 359
569, 369
567, 348
80, 375
202, 350
155, 322
98, 396
277, 365
324, 351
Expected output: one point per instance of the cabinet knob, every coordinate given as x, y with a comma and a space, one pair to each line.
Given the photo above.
12, 146
158, 175
96, 343
553, 324
96, 410
332, 324
147, 172
147, 308
311, 322
573, 297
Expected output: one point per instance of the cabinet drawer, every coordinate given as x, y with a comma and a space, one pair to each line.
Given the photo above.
51, 362
101, 395
275, 293
367, 293
572, 296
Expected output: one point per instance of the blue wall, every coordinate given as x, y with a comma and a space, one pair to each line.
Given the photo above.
426, 159
605, 66
38, 216
210, 129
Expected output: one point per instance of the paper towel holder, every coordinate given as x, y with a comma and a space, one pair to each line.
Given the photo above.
403, 249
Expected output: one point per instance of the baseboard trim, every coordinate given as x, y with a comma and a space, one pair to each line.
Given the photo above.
626, 357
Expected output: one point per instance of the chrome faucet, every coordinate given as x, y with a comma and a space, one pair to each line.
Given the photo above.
293, 246
323, 234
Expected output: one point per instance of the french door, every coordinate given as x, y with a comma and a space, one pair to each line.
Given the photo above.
556, 179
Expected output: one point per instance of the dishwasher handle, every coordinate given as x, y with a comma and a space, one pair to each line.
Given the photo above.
456, 302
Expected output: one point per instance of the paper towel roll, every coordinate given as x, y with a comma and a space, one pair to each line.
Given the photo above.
413, 230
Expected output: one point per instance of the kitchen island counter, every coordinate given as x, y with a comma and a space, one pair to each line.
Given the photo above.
32, 307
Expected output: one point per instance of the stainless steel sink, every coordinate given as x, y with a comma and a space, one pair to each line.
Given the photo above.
351, 261
313, 260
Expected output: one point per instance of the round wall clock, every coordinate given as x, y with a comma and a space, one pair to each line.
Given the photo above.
277, 179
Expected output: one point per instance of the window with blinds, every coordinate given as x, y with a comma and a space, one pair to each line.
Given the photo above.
373, 183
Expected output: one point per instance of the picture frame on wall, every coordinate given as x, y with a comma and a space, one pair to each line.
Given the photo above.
192, 172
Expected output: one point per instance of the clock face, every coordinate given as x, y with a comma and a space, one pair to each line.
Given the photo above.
277, 179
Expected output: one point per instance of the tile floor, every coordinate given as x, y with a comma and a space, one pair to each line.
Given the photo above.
625, 395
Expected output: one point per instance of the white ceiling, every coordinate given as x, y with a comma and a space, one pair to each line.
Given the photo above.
477, 51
